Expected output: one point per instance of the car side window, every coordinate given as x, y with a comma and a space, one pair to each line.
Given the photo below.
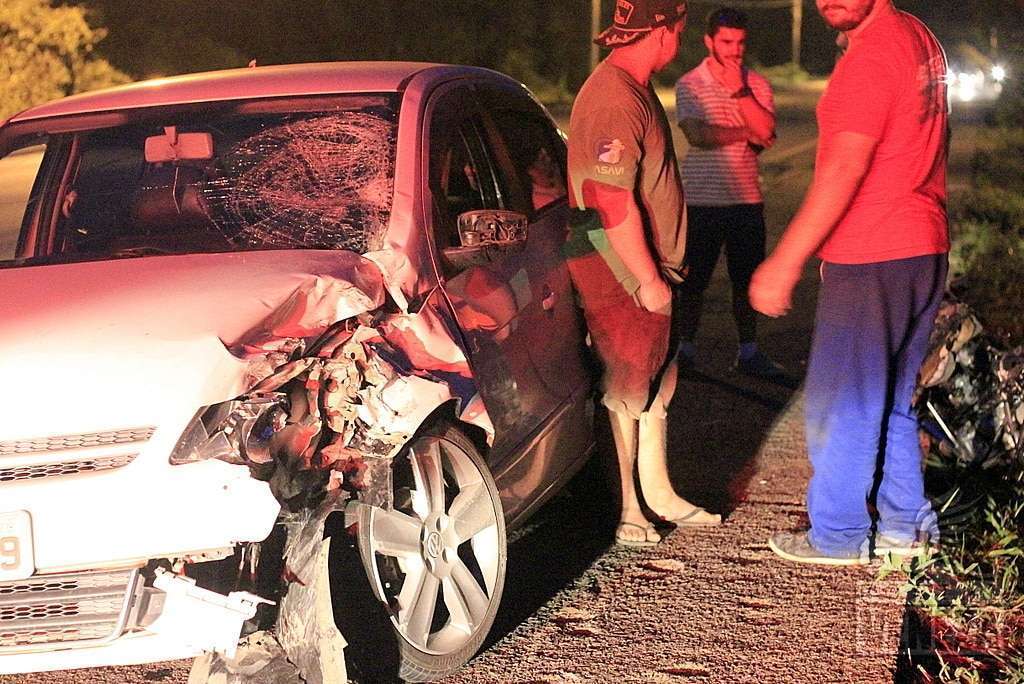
461, 177
531, 161
19, 171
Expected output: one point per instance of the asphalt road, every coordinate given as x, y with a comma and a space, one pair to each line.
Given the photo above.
704, 606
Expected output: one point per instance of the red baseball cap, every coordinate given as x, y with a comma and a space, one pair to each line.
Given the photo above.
634, 19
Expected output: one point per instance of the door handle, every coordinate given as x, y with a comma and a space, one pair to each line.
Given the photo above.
550, 299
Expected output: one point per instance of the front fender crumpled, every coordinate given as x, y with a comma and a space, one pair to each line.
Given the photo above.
359, 382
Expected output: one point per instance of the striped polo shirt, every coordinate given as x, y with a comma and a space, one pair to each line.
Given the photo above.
727, 175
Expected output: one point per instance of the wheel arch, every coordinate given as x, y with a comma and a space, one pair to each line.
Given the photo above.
449, 410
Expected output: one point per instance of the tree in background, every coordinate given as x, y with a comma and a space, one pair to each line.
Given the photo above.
544, 44
169, 37
47, 52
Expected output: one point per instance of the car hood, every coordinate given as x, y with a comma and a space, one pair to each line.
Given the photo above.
94, 346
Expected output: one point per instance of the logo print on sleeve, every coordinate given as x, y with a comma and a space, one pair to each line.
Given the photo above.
610, 151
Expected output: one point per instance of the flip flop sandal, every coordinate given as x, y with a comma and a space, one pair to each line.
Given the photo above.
688, 520
644, 543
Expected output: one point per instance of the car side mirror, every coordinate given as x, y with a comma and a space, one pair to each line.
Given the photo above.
485, 235
492, 227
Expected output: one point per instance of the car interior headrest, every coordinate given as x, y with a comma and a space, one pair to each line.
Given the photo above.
170, 199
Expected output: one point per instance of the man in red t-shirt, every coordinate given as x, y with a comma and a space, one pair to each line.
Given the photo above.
876, 216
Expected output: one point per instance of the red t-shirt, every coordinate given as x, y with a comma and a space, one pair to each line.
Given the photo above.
890, 85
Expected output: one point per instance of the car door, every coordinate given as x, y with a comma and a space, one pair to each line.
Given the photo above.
529, 155
494, 303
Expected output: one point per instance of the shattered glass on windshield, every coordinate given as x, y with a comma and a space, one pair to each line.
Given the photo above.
324, 182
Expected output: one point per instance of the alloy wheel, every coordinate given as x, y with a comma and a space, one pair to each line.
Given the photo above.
438, 554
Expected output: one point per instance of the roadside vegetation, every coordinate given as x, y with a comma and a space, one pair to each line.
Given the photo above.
969, 597
48, 52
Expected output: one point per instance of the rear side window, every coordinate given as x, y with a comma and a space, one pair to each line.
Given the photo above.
18, 173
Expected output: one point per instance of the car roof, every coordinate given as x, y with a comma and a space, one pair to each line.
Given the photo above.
250, 83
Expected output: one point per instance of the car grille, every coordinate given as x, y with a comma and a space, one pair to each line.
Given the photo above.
66, 468
66, 442
31, 459
77, 609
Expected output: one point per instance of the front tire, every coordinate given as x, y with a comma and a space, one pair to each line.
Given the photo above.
437, 559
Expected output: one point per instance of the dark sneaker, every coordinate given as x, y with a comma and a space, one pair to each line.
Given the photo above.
759, 366
898, 548
796, 547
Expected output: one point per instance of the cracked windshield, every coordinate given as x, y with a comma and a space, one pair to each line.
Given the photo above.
200, 183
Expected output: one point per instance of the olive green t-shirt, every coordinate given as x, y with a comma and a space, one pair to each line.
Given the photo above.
619, 136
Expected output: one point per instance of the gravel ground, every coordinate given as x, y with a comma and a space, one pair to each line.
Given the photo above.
705, 605
711, 605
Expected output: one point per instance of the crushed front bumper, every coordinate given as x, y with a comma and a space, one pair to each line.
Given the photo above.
111, 617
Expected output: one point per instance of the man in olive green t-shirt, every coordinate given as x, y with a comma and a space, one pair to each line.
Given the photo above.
626, 247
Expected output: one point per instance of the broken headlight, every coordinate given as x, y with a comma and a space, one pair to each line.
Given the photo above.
236, 431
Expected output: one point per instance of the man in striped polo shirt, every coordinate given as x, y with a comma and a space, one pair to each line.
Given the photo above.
727, 113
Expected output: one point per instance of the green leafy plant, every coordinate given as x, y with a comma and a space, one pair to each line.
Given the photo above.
987, 266
46, 52
969, 595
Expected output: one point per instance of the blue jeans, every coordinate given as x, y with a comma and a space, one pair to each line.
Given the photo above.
870, 337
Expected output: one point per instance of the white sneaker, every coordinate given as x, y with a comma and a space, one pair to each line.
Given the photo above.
900, 548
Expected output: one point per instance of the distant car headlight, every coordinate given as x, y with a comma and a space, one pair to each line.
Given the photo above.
998, 73
236, 431
965, 86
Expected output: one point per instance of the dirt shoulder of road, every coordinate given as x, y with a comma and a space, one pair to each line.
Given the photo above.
714, 605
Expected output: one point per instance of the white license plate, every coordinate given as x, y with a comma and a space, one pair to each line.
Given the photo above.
16, 559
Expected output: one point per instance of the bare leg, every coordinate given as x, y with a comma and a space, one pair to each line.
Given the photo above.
652, 462
633, 525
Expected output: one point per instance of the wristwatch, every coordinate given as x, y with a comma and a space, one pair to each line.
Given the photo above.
745, 91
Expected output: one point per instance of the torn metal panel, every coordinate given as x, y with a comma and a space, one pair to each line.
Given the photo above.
971, 393
431, 341
359, 390
475, 413
305, 625
401, 276
260, 659
317, 303
312, 307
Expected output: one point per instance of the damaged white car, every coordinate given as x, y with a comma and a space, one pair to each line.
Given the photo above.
258, 323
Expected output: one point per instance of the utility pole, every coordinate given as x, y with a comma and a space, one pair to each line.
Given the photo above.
595, 27
798, 20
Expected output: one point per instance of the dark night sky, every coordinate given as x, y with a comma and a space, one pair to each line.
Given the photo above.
550, 36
